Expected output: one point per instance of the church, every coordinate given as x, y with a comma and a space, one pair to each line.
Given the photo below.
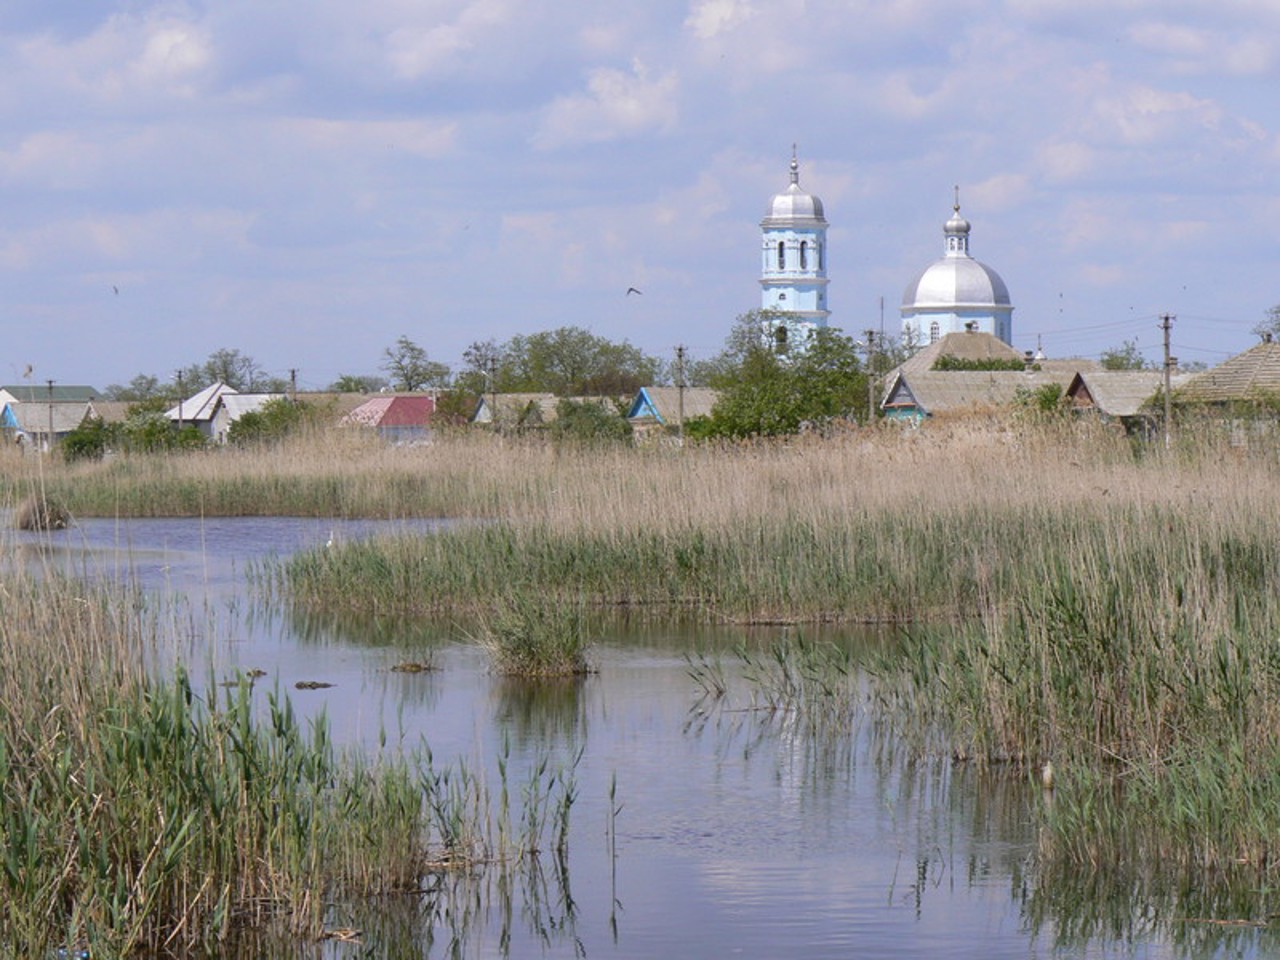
952, 294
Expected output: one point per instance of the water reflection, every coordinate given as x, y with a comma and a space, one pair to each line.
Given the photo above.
737, 828
543, 712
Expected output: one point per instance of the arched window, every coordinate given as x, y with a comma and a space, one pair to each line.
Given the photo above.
804, 255
935, 332
782, 255
780, 339
817, 254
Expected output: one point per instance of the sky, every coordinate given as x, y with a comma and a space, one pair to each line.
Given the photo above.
305, 181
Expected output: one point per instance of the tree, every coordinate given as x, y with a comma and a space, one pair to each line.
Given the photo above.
1127, 356
354, 383
770, 394
589, 423
142, 387
411, 369
1269, 327
568, 362
276, 418
747, 334
89, 441
237, 370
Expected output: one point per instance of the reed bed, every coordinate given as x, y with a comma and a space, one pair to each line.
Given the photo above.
1109, 609
878, 526
139, 816
536, 637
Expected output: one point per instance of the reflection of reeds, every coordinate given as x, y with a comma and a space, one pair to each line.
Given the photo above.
136, 814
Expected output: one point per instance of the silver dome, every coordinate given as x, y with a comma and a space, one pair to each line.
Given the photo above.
794, 206
956, 282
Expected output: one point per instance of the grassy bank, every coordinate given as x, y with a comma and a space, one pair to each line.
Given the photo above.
140, 815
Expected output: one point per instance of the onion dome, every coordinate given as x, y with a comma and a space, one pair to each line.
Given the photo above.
794, 207
956, 280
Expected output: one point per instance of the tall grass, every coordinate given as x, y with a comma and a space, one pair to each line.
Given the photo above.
534, 637
138, 815
886, 527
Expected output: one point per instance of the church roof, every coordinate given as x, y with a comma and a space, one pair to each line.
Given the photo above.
956, 280
794, 207
970, 345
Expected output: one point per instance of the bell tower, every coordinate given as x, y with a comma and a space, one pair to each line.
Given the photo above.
793, 276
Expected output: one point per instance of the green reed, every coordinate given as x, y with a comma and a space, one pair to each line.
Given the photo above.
141, 815
536, 637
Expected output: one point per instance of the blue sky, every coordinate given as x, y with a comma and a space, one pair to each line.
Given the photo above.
306, 180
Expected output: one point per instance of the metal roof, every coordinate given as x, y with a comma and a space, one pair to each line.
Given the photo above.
393, 411
59, 393
202, 406
794, 207
238, 404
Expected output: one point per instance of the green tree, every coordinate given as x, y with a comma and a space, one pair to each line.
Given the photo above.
274, 420
588, 422
768, 394
354, 383
1127, 356
568, 361
410, 369
142, 387
89, 441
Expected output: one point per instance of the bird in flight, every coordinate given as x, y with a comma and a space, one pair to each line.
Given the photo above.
631, 290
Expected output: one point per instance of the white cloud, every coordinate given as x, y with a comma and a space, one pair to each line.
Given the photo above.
1200, 50
1145, 114
59, 159
420, 49
710, 18
1004, 191
616, 105
416, 137
1063, 161
128, 59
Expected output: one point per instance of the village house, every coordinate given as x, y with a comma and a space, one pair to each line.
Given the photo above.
655, 408
397, 418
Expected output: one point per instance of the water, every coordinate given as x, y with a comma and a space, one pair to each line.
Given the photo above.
740, 835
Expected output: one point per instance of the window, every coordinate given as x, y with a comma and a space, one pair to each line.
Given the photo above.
804, 255
780, 340
782, 255
935, 332
817, 255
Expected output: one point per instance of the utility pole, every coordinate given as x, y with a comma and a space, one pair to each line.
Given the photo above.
871, 376
179, 401
293, 384
680, 393
491, 364
1166, 324
48, 443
